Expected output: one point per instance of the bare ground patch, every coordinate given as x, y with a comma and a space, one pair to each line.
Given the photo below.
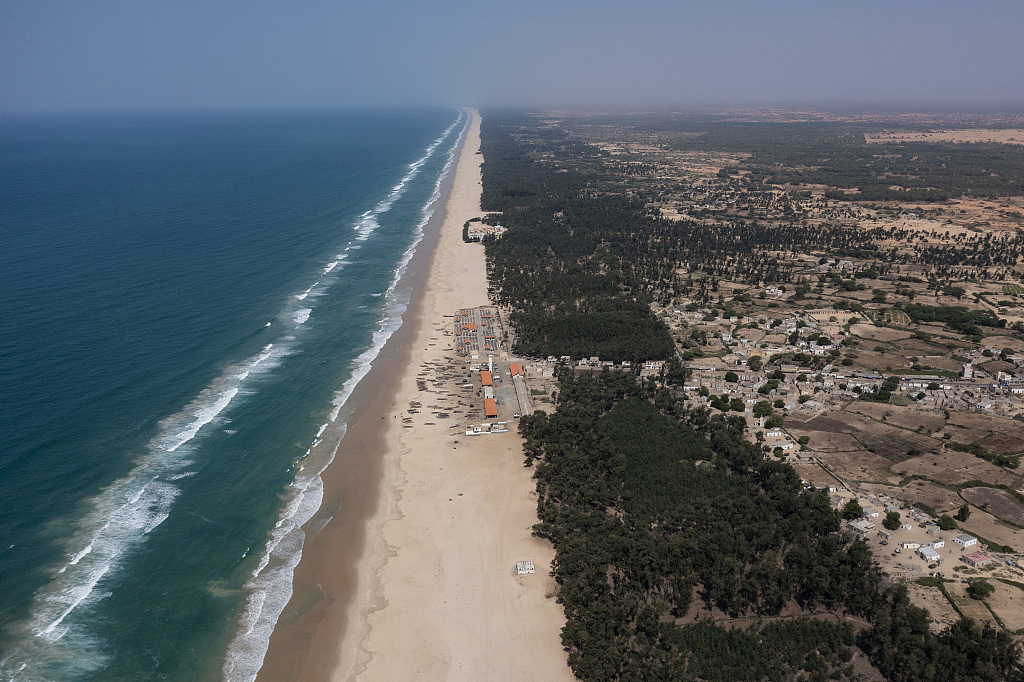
920, 348
909, 418
1005, 342
997, 502
999, 136
858, 466
931, 598
953, 468
989, 527
972, 608
921, 492
1008, 603
880, 361
1002, 444
814, 474
824, 441
964, 436
870, 331
1003, 435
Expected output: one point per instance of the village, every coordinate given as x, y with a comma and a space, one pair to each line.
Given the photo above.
910, 454
906, 451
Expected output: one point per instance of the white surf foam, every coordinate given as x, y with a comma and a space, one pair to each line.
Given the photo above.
78, 557
116, 520
271, 585
302, 315
367, 223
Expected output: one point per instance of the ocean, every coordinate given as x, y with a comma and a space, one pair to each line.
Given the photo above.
186, 304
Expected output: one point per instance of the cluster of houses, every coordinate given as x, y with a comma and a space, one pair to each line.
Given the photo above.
927, 550
477, 231
546, 367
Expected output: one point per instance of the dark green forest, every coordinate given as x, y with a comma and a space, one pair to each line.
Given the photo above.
652, 508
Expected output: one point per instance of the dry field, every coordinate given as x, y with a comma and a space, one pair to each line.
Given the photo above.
908, 418
953, 468
858, 466
972, 608
944, 230
773, 338
823, 441
940, 332
997, 502
988, 526
1008, 603
994, 366
892, 316
931, 598
998, 434
877, 361
923, 492
752, 335
923, 348
870, 331
1000, 136
836, 437
962, 435
1002, 444
813, 474
940, 362
1005, 341
890, 442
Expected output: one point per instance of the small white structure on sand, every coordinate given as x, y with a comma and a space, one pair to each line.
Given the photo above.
525, 568
966, 540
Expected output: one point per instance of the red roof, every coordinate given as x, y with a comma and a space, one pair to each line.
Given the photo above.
490, 407
485, 378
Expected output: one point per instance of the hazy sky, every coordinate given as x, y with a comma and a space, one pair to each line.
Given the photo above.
88, 54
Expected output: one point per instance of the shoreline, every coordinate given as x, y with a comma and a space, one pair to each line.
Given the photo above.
438, 596
324, 581
399, 558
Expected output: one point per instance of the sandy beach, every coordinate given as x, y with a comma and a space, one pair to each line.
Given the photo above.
425, 586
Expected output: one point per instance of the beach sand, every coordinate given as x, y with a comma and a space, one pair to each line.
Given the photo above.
415, 576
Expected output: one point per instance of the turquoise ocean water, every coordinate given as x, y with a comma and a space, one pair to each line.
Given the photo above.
186, 303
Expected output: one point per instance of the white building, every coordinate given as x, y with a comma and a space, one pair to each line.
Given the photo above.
862, 526
929, 554
525, 568
965, 540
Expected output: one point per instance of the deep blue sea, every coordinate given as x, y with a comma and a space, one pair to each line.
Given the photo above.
186, 303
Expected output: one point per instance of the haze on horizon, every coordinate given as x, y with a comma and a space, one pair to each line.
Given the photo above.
120, 54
